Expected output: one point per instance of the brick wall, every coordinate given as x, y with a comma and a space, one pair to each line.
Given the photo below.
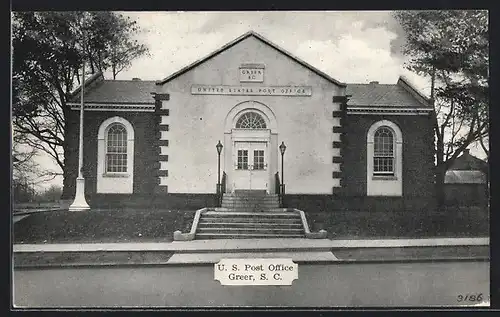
145, 157
418, 165
418, 170
418, 153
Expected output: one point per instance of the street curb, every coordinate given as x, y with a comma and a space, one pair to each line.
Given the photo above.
197, 246
319, 262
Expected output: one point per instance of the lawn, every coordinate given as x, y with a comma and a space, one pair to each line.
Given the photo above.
133, 225
117, 225
453, 223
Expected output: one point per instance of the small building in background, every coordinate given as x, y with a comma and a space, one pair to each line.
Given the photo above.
466, 182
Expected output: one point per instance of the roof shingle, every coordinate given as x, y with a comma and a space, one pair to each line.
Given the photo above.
121, 91
138, 91
381, 95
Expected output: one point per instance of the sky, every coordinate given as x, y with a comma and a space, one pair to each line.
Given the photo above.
350, 46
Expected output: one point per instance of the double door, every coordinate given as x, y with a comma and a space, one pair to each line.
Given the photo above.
250, 166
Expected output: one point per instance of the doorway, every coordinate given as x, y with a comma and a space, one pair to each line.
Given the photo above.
251, 165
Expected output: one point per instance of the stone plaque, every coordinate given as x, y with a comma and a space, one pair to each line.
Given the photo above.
252, 73
252, 90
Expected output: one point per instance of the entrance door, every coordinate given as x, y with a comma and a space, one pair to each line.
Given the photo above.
250, 163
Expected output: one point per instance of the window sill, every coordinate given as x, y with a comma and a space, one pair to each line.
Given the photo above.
384, 177
116, 175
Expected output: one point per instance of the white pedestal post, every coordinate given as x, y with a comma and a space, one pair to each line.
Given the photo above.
80, 204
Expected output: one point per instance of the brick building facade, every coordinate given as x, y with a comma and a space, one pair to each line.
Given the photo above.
349, 146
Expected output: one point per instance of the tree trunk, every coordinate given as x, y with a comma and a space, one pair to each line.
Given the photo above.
440, 194
70, 160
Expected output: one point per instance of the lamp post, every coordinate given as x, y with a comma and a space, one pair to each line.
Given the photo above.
80, 204
282, 150
219, 150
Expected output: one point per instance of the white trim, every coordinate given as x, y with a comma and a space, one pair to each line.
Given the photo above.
336, 182
336, 107
114, 107
163, 150
336, 122
163, 165
164, 135
336, 152
248, 106
122, 183
388, 110
336, 167
163, 180
165, 120
385, 186
336, 137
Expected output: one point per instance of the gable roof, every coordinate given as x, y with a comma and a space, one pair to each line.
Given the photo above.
238, 40
399, 95
468, 162
120, 91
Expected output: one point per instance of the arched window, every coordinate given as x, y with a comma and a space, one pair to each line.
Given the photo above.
384, 159
115, 156
116, 149
251, 120
383, 152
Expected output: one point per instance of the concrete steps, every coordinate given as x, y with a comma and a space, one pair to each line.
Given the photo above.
247, 225
245, 236
250, 202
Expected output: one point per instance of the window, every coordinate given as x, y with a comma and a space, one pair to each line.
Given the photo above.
242, 159
383, 152
251, 120
116, 149
258, 159
384, 159
115, 156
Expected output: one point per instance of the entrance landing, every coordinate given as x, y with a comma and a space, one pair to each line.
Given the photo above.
250, 192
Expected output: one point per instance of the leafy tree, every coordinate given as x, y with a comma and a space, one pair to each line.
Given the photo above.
49, 49
452, 49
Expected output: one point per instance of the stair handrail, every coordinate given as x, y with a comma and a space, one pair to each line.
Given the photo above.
222, 189
223, 182
277, 183
277, 188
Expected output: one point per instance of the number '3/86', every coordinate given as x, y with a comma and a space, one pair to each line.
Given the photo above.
470, 297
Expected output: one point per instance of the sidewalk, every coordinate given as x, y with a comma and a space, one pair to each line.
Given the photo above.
248, 245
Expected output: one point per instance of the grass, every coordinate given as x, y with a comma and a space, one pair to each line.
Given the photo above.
341, 225
133, 225
117, 225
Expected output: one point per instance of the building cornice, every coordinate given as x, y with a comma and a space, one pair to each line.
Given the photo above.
114, 107
388, 110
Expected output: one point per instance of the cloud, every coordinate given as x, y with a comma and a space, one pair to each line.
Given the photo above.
176, 39
315, 25
354, 60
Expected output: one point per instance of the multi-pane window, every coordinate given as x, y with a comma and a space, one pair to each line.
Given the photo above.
383, 155
258, 159
242, 159
251, 120
116, 149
